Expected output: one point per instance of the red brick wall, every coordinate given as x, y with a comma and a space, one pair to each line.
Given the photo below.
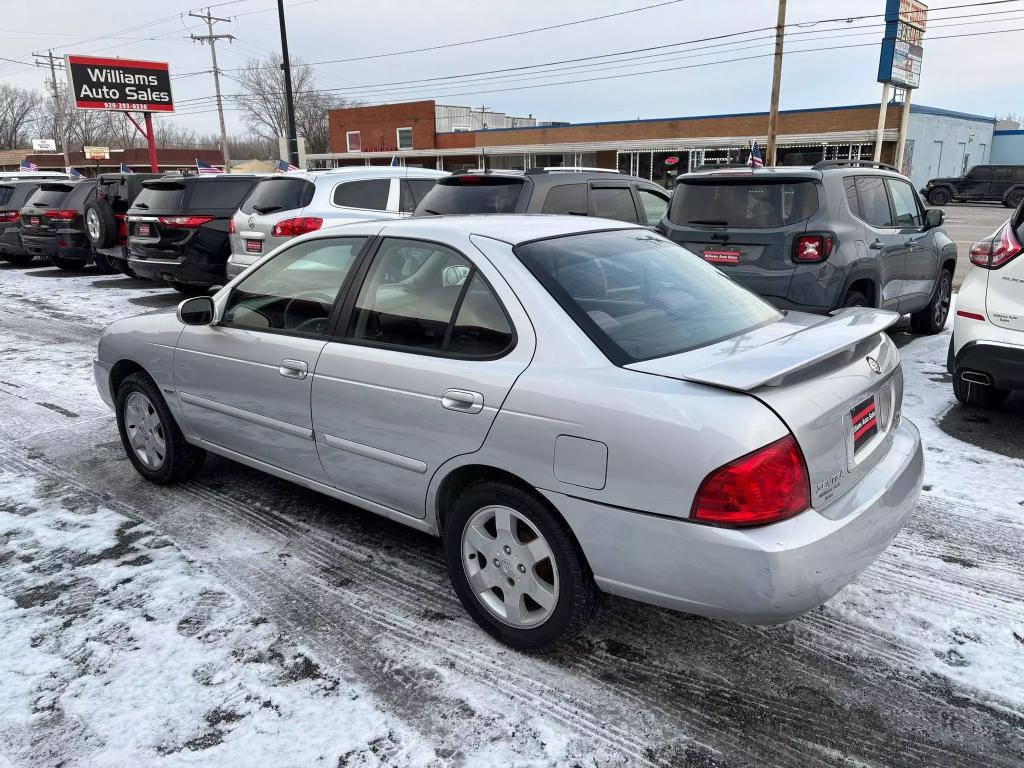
455, 140
378, 125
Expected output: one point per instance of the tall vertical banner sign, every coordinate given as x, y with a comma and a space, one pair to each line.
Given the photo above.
121, 84
900, 62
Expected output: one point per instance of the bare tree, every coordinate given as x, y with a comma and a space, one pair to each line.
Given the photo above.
262, 102
18, 111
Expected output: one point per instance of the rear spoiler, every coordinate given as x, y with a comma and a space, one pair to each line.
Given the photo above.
804, 348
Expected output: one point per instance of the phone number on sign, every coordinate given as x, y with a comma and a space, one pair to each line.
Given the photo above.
121, 106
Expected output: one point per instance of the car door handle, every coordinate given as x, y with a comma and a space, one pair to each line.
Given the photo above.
877, 245
293, 369
462, 400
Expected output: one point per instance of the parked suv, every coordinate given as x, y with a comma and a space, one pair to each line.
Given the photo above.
285, 205
178, 228
52, 223
106, 219
579, 192
13, 196
986, 351
998, 183
839, 234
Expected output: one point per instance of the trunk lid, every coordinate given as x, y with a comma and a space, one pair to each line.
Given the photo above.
836, 382
48, 197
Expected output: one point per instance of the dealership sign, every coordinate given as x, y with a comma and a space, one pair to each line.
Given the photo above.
122, 84
900, 62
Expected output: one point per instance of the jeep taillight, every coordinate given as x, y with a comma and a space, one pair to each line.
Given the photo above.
765, 486
811, 249
998, 251
296, 227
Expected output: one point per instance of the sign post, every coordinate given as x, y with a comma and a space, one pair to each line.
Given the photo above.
124, 85
900, 63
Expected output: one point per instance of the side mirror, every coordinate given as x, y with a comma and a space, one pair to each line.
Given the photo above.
196, 311
933, 218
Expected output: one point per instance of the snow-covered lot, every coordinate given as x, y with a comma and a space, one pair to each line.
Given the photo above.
238, 620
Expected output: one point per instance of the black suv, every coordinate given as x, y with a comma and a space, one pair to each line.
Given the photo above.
997, 183
178, 228
13, 196
583, 192
838, 234
52, 223
106, 219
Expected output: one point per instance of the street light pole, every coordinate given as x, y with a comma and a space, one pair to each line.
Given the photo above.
292, 141
773, 116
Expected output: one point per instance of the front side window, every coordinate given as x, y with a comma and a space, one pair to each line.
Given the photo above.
425, 297
404, 136
874, 202
905, 204
743, 203
613, 203
296, 289
654, 205
353, 141
371, 194
639, 296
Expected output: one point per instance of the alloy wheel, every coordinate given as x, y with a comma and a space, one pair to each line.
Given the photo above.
941, 308
92, 224
510, 567
145, 430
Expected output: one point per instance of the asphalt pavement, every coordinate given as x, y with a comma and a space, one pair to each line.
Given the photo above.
967, 223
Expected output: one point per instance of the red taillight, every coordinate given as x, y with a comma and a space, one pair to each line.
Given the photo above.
9, 217
296, 227
762, 487
232, 229
122, 228
810, 249
61, 215
184, 222
995, 253
969, 315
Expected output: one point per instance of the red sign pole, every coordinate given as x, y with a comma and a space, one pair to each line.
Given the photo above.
151, 142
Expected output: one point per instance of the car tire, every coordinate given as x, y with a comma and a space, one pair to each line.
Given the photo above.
932, 319
105, 264
939, 196
855, 299
21, 259
150, 436
100, 223
978, 395
535, 553
1015, 198
68, 265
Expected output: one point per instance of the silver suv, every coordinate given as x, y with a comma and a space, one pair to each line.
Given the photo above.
283, 206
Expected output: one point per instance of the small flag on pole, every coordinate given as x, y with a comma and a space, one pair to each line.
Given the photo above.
73, 173
125, 169
283, 166
202, 167
28, 165
755, 161
394, 160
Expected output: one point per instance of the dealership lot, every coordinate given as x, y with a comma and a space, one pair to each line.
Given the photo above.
238, 613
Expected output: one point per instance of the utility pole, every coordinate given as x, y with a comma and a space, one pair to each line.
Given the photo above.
58, 105
291, 139
773, 115
212, 40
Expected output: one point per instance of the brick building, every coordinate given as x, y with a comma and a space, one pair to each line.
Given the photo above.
939, 141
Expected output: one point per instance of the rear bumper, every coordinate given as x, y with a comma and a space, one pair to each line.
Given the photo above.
10, 242
237, 263
756, 575
39, 245
1003, 362
182, 271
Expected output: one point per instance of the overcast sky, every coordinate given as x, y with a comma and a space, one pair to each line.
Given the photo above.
979, 73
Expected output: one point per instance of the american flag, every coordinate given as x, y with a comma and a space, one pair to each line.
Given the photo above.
202, 168
283, 166
28, 165
755, 161
73, 173
125, 169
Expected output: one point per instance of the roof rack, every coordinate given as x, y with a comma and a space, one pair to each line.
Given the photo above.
722, 167
822, 164
488, 172
571, 169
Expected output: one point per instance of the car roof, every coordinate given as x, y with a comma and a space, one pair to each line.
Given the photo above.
383, 171
789, 172
509, 228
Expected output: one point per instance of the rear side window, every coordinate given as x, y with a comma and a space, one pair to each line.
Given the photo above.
473, 194
613, 203
874, 202
413, 192
208, 195
1003, 173
566, 199
744, 204
850, 184
371, 194
1018, 173
271, 195
160, 197
654, 205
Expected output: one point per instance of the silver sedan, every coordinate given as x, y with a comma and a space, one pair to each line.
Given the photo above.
574, 406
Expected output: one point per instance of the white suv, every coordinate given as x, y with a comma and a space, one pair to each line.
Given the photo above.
986, 353
285, 205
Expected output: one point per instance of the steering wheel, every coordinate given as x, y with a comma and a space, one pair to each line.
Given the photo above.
308, 324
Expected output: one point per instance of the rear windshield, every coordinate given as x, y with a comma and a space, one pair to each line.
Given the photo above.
472, 194
208, 195
6, 193
272, 195
743, 204
160, 197
49, 195
639, 296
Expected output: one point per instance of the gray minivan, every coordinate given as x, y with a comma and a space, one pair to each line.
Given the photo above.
838, 234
